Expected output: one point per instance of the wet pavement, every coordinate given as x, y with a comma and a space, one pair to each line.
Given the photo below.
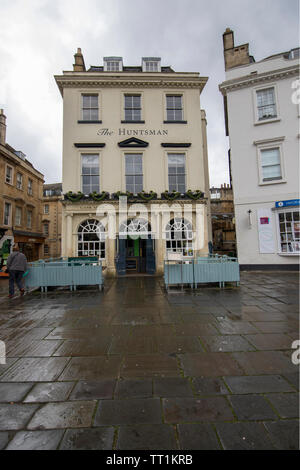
135, 368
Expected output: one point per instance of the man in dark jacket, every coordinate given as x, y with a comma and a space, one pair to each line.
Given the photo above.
16, 266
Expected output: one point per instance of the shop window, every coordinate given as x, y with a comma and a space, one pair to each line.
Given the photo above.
179, 237
289, 231
91, 239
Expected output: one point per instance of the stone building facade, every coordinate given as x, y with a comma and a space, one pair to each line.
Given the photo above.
262, 121
21, 189
223, 222
51, 219
136, 132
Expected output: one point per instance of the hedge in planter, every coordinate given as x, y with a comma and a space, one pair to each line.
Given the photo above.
171, 196
194, 194
99, 196
147, 196
74, 197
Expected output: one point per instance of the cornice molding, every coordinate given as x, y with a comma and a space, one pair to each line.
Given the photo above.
253, 79
65, 81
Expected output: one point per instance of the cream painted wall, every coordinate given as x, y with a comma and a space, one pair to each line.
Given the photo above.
112, 157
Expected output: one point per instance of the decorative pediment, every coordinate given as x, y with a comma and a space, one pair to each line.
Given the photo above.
133, 142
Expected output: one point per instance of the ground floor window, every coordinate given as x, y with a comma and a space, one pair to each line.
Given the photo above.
289, 231
179, 237
91, 239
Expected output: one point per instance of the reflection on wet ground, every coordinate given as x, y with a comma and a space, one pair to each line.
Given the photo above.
135, 368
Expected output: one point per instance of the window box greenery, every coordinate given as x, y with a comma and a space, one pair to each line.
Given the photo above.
99, 196
74, 197
171, 196
194, 194
147, 196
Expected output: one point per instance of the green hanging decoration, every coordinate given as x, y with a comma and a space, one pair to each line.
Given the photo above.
194, 194
147, 196
171, 196
74, 197
99, 196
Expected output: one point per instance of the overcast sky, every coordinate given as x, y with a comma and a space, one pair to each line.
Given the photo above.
38, 39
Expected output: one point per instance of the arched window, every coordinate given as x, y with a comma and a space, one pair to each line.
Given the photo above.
138, 227
179, 237
91, 238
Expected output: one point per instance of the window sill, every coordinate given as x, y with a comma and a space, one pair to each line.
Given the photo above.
267, 121
175, 122
89, 122
132, 122
289, 254
266, 183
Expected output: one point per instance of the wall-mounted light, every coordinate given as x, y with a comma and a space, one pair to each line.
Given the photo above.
249, 212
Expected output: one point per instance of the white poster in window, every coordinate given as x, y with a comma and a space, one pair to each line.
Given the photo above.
265, 231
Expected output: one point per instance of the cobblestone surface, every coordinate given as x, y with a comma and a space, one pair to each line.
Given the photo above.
135, 368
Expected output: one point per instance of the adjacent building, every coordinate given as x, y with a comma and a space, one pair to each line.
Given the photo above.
139, 132
21, 190
51, 219
262, 122
223, 221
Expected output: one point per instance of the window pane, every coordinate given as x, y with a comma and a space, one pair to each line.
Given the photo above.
272, 171
94, 115
270, 156
266, 103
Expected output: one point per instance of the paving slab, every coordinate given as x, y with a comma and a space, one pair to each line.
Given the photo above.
49, 391
197, 437
226, 343
35, 440
4, 438
63, 415
251, 407
284, 434
13, 392
244, 436
134, 388
286, 404
180, 410
172, 387
91, 368
258, 384
150, 366
210, 364
15, 416
147, 437
93, 390
264, 362
88, 439
130, 411
209, 386
271, 341
35, 369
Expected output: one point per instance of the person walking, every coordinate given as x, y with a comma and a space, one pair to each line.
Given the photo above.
16, 266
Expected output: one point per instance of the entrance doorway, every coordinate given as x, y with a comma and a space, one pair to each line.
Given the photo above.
135, 248
136, 255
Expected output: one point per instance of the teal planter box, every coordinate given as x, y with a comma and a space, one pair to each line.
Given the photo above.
203, 270
64, 273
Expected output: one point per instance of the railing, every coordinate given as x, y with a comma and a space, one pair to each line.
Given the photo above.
71, 272
201, 270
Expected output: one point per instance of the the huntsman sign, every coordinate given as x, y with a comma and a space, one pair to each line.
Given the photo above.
131, 132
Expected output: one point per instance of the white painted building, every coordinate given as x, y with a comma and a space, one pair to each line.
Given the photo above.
140, 131
262, 122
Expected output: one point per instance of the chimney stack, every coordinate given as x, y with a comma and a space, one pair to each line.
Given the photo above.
79, 65
234, 56
2, 127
